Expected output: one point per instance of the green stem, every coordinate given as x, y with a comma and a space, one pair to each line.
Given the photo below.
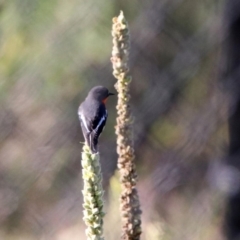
92, 194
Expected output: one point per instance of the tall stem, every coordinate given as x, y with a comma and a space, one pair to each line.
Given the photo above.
92, 194
129, 201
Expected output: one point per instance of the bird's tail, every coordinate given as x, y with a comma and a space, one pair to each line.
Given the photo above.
93, 141
86, 136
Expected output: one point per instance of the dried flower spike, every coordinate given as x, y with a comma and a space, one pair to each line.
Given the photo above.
129, 201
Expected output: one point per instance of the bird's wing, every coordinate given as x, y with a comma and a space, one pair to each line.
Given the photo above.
93, 121
84, 122
98, 126
99, 121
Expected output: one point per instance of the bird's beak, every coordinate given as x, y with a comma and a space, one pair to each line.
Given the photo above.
109, 94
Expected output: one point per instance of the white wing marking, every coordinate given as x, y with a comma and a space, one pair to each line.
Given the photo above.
100, 122
84, 121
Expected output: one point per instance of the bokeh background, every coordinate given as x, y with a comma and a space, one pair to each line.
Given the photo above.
52, 53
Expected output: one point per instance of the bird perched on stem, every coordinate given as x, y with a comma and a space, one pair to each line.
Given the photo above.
93, 115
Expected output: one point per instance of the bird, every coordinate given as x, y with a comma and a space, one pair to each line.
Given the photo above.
93, 115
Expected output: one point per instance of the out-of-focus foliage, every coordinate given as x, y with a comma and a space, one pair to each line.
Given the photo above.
52, 53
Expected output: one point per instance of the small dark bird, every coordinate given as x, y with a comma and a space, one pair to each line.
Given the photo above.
93, 115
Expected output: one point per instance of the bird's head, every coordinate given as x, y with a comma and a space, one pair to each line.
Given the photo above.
100, 93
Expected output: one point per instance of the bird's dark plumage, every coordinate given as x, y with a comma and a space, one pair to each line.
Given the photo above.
93, 115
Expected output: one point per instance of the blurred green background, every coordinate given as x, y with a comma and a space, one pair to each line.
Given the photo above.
52, 53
